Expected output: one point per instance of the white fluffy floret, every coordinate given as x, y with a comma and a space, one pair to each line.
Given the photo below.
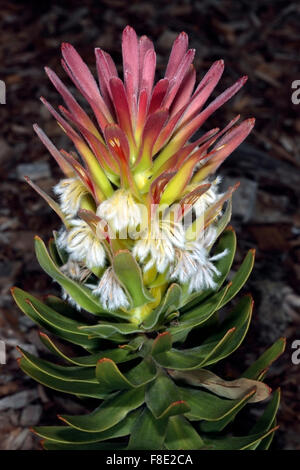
120, 211
70, 192
111, 293
195, 266
84, 245
157, 247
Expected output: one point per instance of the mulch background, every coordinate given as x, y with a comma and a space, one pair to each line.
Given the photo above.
259, 38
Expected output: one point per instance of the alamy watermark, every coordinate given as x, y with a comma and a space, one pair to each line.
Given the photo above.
2, 92
296, 353
296, 94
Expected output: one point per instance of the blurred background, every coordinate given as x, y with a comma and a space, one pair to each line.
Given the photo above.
260, 38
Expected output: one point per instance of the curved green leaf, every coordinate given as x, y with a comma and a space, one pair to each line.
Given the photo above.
118, 355
68, 435
67, 373
148, 433
240, 277
181, 435
130, 276
110, 377
198, 315
171, 302
53, 252
236, 443
63, 255
78, 292
43, 316
208, 407
163, 398
80, 388
262, 430
265, 360
162, 343
109, 413
237, 323
109, 330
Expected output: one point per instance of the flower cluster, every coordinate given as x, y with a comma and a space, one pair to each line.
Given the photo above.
137, 181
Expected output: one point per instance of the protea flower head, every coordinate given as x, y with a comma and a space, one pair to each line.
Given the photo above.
137, 183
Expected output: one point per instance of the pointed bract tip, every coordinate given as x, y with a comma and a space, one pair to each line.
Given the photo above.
20, 351
61, 418
182, 35
65, 46
179, 402
128, 30
104, 359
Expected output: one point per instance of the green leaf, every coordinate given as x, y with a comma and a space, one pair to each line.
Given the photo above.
130, 276
162, 343
68, 435
148, 433
218, 346
110, 377
109, 330
53, 252
47, 318
198, 315
181, 435
82, 295
117, 355
109, 413
63, 255
81, 388
265, 360
240, 277
217, 426
205, 406
63, 307
67, 373
263, 429
236, 443
163, 398
266, 420
171, 302
221, 345
267, 441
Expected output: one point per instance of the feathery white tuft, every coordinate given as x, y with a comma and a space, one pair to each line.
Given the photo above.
120, 211
157, 247
70, 192
83, 245
110, 291
209, 197
195, 266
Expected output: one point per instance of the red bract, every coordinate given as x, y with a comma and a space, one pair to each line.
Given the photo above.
152, 123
